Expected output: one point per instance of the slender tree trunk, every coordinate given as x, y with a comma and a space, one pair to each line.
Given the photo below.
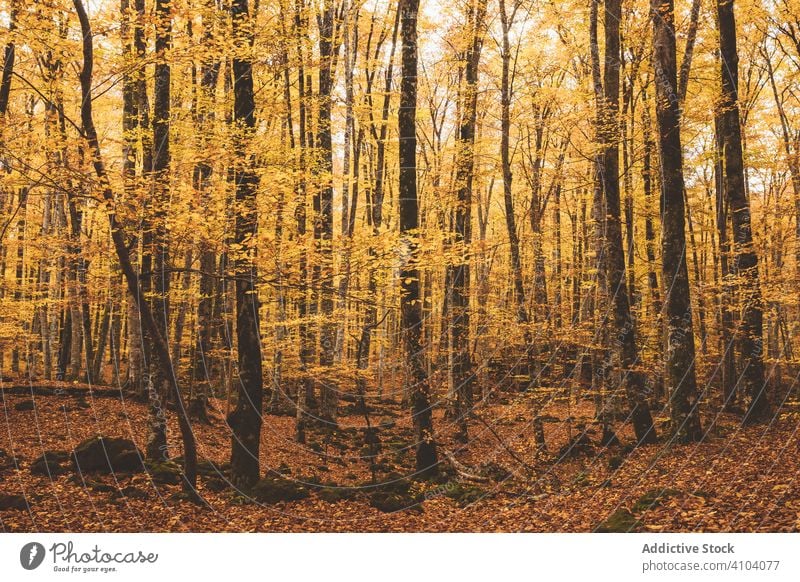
157, 384
506, 88
328, 48
650, 237
203, 364
138, 346
460, 273
305, 391
688, 52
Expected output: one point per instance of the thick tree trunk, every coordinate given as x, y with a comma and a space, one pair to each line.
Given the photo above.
245, 420
410, 305
750, 331
685, 414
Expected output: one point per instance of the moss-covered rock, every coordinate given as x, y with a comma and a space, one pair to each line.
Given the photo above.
164, 472
390, 502
216, 484
208, 468
463, 494
24, 405
13, 502
50, 463
277, 489
393, 494
107, 455
129, 492
654, 498
621, 521
334, 494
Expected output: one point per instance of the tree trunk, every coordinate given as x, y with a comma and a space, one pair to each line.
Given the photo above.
202, 365
459, 273
323, 224
157, 384
410, 305
750, 331
685, 414
523, 318
245, 420
138, 346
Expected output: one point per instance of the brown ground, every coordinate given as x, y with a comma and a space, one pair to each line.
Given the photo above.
737, 480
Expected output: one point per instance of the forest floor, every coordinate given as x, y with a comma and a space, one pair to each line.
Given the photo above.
738, 479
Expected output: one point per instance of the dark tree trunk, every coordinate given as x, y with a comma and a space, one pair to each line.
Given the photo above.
459, 274
305, 391
680, 355
138, 346
8, 65
130, 128
157, 384
245, 420
750, 331
323, 223
410, 305
202, 365
614, 259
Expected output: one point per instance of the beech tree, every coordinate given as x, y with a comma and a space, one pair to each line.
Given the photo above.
410, 306
245, 420
681, 373
750, 332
